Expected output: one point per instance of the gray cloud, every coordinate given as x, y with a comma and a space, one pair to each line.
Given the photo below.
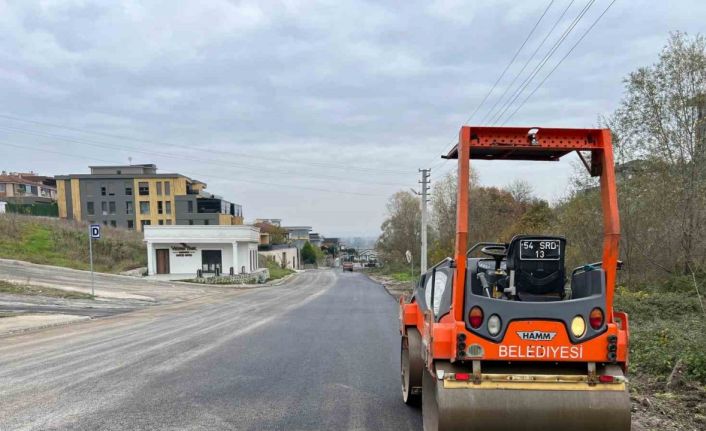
326, 85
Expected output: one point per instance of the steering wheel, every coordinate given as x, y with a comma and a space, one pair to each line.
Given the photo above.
494, 251
497, 252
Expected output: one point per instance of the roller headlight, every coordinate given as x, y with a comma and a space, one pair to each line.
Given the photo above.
578, 326
494, 325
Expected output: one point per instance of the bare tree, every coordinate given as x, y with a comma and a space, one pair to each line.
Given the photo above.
658, 123
401, 230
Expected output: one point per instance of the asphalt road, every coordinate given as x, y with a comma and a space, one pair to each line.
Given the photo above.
318, 353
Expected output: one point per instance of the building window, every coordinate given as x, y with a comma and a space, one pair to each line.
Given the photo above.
159, 188
128, 190
104, 208
169, 221
90, 208
2, 188
130, 224
105, 222
167, 188
33, 190
113, 223
145, 223
144, 207
160, 207
167, 207
161, 222
143, 188
111, 190
112, 207
190, 206
128, 207
206, 222
191, 222
104, 190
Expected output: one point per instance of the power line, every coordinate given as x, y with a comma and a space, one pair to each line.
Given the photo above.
514, 57
560, 61
186, 158
527, 81
529, 60
529, 35
238, 154
195, 174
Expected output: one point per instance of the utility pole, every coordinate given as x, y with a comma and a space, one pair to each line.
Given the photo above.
426, 173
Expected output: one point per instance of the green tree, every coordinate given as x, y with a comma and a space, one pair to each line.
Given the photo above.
401, 231
308, 253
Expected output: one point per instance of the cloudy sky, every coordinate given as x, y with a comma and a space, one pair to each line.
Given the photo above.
313, 112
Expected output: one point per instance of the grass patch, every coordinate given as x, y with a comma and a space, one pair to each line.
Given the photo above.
276, 271
397, 272
65, 243
26, 289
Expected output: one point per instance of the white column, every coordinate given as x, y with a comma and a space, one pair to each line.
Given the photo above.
236, 268
150, 258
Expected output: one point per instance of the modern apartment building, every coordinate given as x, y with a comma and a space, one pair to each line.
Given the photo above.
207, 209
133, 196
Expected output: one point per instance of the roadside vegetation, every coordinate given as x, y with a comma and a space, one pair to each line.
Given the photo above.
276, 270
30, 290
660, 154
64, 243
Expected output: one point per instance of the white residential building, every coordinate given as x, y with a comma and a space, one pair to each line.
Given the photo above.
179, 249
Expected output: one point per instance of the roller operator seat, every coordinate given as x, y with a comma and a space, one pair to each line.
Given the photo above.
535, 265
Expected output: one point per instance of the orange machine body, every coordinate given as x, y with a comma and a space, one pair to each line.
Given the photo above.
520, 143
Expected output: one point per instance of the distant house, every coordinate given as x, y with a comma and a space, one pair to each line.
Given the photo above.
284, 255
26, 188
273, 221
298, 235
315, 239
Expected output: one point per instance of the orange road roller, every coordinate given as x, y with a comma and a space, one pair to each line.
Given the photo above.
502, 336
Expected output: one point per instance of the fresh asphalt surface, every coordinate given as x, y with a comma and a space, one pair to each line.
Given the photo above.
318, 353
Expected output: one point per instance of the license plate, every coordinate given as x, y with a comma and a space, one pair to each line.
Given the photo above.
540, 249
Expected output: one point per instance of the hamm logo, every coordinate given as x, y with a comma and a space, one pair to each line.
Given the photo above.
537, 335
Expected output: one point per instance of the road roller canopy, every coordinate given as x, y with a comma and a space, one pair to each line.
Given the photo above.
527, 143
536, 144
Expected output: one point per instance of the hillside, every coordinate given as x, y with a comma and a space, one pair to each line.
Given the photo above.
64, 243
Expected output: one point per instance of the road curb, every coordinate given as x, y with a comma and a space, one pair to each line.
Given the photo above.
374, 280
21, 331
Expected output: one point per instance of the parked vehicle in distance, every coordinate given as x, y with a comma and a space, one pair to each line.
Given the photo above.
348, 266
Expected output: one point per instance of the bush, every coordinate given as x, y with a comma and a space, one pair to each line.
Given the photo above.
665, 327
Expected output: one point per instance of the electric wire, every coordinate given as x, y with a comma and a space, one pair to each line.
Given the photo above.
195, 174
237, 154
529, 60
512, 61
528, 80
588, 30
226, 164
527, 38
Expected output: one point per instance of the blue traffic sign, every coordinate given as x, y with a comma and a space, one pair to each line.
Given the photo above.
95, 231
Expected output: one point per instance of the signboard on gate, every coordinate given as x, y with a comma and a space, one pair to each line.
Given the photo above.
95, 231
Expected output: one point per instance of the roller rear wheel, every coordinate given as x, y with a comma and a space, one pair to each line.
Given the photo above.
430, 406
411, 367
